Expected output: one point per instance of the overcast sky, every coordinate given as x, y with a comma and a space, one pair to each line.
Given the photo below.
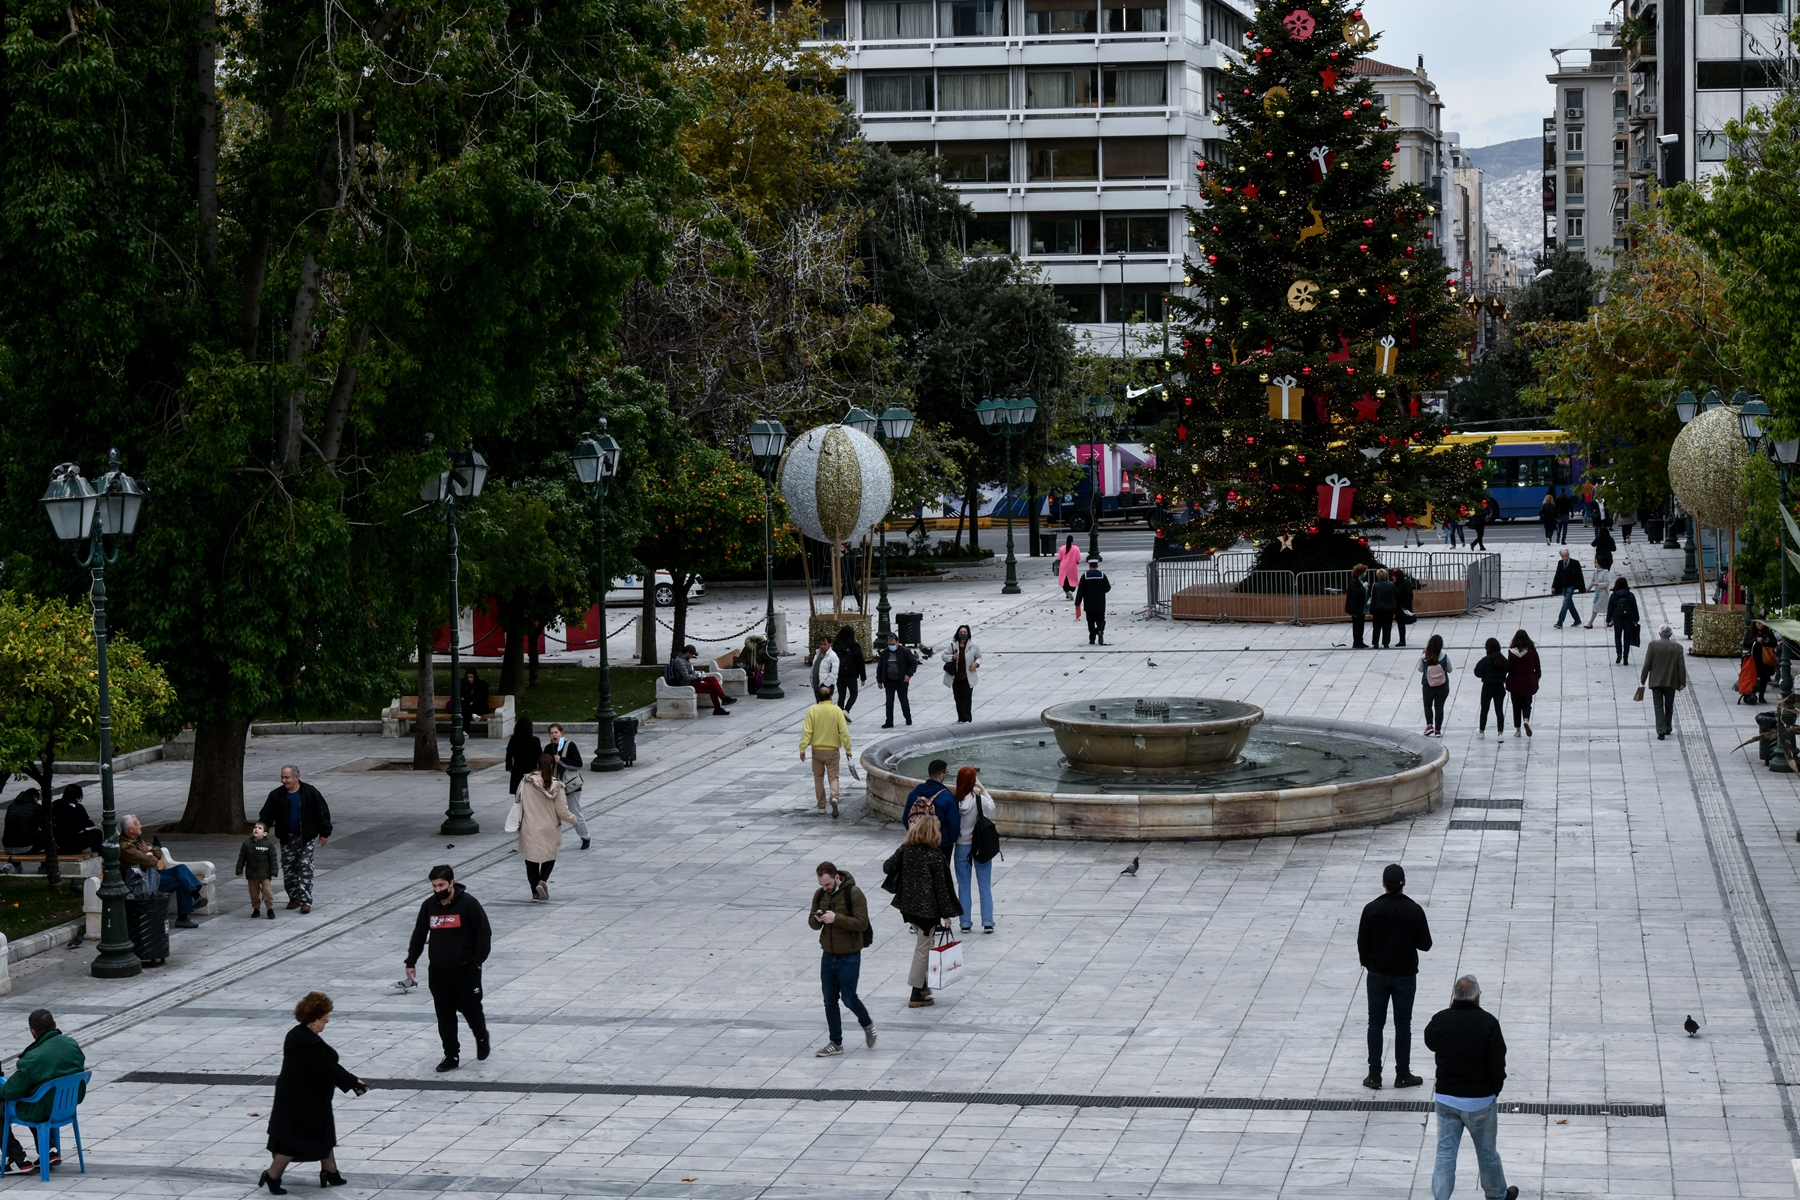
1487, 57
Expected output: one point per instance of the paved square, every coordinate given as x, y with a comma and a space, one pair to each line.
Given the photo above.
654, 1024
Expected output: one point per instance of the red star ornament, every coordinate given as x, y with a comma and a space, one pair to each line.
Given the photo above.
1250, 191
1368, 408
1329, 78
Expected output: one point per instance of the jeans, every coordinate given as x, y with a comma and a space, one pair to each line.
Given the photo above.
1664, 699
1622, 641
1562, 530
1521, 710
1400, 989
1434, 704
847, 690
1482, 1127
984, 876
181, 881
1496, 697
838, 974
896, 690
1568, 608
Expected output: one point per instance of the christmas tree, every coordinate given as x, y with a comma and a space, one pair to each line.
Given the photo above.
1320, 310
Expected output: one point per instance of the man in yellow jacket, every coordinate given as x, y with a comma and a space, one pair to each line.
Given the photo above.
826, 731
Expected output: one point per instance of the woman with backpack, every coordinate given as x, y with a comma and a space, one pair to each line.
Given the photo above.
1434, 674
1522, 674
976, 846
1622, 615
1491, 670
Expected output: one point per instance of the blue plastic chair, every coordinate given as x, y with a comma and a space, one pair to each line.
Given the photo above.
63, 1093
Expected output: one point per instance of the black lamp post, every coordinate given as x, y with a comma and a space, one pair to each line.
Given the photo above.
1003, 418
461, 484
889, 430
1099, 410
596, 464
1687, 408
767, 440
81, 512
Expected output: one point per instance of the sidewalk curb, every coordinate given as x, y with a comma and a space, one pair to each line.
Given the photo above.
46, 939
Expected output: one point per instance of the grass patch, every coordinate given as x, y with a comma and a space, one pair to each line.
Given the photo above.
569, 693
29, 905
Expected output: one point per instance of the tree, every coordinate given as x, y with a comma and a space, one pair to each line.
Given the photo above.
1311, 270
1563, 295
523, 543
1491, 391
50, 693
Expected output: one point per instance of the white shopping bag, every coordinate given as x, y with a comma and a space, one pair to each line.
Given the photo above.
943, 964
513, 814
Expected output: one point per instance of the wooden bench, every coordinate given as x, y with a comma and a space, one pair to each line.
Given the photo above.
397, 718
87, 863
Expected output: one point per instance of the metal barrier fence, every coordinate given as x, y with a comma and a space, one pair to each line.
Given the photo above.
1226, 587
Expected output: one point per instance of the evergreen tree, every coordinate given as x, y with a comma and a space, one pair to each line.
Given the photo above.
1320, 312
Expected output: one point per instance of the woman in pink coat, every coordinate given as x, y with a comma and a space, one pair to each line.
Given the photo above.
1068, 566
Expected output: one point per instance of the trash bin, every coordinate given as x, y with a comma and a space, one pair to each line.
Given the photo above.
1687, 621
1046, 545
625, 738
1765, 725
910, 624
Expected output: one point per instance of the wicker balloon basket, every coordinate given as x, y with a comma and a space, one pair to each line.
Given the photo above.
1718, 632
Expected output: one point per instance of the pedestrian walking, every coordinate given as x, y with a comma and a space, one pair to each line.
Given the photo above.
1388, 940
1478, 524
1434, 678
1622, 615
543, 810
1602, 588
523, 749
1471, 1070
853, 670
1664, 672
931, 796
962, 662
568, 771
1565, 583
301, 1125
1762, 652
301, 821
841, 915
1523, 671
1547, 517
824, 666
1356, 605
1491, 670
256, 863
894, 669
1383, 603
1068, 567
972, 805
1091, 594
1403, 602
826, 732
460, 940
1627, 519
923, 894
1565, 509
1603, 546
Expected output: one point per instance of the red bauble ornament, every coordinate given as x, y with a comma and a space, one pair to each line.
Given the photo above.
1409, 252
1217, 369
1364, 247
1312, 530
1369, 221
1306, 370
1386, 165
1211, 258
1348, 114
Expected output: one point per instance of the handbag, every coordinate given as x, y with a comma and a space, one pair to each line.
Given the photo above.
572, 780
1770, 657
1639, 694
514, 815
944, 961
1406, 616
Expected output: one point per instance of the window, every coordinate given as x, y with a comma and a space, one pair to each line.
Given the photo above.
971, 18
961, 92
1573, 142
1064, 234
1710, 146
1729, 75
1137, 158
897, 93
1062, 16
1620, 106
1575, 97
1055, 162
1061, 89
832, 26
909, 148
896, 19
977, 162
1136, 20
1731, 8
1577, 182
1223, 25
1133, 304
1619, 153
1148, 234
1083, 302
1535, 471
1573, 223
1134, 87
993, 231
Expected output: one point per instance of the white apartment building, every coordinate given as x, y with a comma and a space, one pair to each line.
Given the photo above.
1071, 127
1586, 198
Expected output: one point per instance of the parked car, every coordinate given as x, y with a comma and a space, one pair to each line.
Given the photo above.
629, 591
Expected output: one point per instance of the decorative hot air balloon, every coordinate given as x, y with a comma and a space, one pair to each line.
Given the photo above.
838, 485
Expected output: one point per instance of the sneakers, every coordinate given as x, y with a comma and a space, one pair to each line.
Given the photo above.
1372, 1081
56, 1158
987, 929
23, 1167
585, 842
1403, 1080
270, 914
187, 923
201, 901
1430, 732
450, 1063
834, 810
869, 1035
1528, 729
256, 914
829, 1050
482, 1046
539, 892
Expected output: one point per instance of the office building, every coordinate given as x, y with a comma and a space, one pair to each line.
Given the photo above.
1586, 198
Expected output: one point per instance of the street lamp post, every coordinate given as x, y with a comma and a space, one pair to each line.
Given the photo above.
447, 491
1099, 410
596, 464
80, 512
767, 440
889, 430
1002, 418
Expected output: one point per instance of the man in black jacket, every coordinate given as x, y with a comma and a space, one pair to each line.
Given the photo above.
1565, 583
1356, 605
1090, 593
894, 669
1471, 1069
1392, 933
297, 814
460, 940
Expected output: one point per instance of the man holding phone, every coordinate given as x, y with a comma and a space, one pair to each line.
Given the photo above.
841, 915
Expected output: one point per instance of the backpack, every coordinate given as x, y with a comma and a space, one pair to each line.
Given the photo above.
985, 843
1434, 674
669, 673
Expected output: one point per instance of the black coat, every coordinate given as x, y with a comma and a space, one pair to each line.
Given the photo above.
315, 817
522, 753
24, 829
1392, 933
1568, 574
909, 664
851, 663
1622, 609
70, 820
1356, 597
1471, 1053
1091, 592
1382, 597
300, 1124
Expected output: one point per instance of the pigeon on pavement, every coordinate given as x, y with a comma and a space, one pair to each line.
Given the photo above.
1692, 1026
1132, 869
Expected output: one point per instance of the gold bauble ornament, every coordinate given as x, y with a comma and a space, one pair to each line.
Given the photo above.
1706, 464
1303, 295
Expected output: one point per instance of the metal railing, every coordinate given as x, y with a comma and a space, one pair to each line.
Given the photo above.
1227, 587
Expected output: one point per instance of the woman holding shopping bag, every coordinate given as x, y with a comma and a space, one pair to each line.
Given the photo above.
924, 895
543, 811
969, 796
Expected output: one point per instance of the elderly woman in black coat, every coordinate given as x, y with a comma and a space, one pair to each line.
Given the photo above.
301, 1128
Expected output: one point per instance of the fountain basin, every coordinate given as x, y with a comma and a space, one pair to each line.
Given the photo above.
1171, 735
1352, 775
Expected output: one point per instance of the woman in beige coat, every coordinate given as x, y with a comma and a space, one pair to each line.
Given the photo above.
544, 810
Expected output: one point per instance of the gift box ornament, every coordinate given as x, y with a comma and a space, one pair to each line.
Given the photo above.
1285, 396
1387, 355
1320, 160
1336, 495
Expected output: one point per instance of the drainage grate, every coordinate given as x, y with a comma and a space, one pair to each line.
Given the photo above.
1488, 804
1479, 825
884, 1096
